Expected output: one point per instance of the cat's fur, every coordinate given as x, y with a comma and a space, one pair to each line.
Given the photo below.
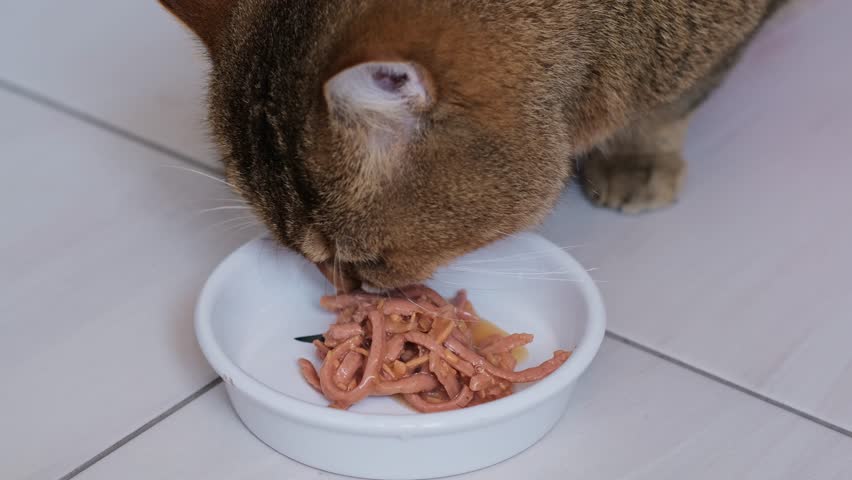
395, 135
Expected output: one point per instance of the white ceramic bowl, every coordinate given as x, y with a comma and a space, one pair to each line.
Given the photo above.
262, 297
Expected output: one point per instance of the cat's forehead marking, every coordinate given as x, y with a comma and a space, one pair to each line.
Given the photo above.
376, 108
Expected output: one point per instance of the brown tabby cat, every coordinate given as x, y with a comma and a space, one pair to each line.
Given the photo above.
395, 135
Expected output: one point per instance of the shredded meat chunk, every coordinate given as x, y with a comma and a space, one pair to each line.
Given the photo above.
416, 344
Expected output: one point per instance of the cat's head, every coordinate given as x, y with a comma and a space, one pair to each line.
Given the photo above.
391, 140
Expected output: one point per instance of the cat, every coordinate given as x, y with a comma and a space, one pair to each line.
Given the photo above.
392, 136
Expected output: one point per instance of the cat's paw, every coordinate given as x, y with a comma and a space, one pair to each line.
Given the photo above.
632, 184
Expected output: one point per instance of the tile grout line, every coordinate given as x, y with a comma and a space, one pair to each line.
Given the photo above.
609, 334
120, 132
139, 431
728, 383
97, 122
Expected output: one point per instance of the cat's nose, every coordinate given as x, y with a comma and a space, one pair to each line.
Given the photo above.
316, 247
340, 275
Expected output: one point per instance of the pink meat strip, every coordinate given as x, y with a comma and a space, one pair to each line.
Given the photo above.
481, 382
343, 331
418, 291
460, 299
465, 338
341, 397
394, 348
464, 307
419, 382
424, 340
487, 341
507, 361
507, 343
411, 304
489, 367
500, 390
421, 405
359, 316
405, 307
345, 316
524, 376
337, 303
347, 369
322, 349
402, 327
446, 374
310, 374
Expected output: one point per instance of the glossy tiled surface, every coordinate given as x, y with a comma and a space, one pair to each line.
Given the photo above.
104, 248
748, 276
129, 64
742, 287
635, 416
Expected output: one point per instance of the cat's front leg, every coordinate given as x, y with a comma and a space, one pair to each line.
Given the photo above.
641, 168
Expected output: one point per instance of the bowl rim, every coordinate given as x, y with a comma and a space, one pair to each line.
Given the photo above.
403, 426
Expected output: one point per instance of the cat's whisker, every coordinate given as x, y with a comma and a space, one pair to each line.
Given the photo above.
236, 200
234, 197
525, 276
507, 288
560, 275
238, 227
595, 191
523, 270
539, 279
520, 256
226, 207
515, 271
232, 220
335, 266
232, 205
203, 174
507, 234
513, 235
248, 226
470, 288
412, 301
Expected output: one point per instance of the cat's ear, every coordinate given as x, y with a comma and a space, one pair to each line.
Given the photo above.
204, 17
386, 99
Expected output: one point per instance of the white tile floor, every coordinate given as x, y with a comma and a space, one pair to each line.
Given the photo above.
729, 355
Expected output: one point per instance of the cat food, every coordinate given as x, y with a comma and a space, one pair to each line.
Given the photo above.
416, 344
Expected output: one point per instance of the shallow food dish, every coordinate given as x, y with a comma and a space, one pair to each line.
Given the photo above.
262, 297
